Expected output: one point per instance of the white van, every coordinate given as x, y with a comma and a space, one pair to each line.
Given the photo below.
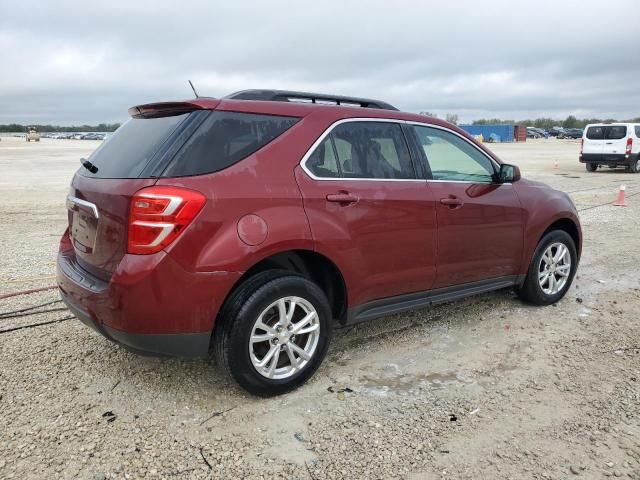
611, 144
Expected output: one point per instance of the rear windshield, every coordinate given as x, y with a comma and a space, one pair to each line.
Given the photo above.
615, 132
125, 153
225, 138
595, 133
638, 132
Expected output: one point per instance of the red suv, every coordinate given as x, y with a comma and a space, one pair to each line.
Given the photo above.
258, 222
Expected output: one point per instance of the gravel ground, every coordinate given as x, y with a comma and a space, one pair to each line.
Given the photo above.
483, 388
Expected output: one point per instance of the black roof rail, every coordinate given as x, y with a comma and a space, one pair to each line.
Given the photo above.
289, 96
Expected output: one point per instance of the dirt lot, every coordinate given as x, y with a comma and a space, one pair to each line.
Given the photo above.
483, 388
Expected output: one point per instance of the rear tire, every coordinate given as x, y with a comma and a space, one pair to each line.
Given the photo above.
591, 167
272, 306
551, 271
634, 167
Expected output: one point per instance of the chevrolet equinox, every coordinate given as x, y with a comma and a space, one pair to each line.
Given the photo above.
256, 223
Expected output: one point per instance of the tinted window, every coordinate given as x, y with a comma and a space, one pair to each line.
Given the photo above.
452, 158
615, 132
225, 138
322, 162
372, 150
129, 149
595, 133
638, 132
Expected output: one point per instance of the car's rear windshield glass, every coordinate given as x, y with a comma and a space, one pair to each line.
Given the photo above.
638, 132
595, 133
127, 151
615, 132
224, 139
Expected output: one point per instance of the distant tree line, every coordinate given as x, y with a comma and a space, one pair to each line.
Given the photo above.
449, 117
103, 127
544, 123
547, 123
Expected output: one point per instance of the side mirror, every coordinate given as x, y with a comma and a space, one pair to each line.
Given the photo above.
508, 173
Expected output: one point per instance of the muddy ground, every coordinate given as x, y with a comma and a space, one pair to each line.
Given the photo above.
483, 388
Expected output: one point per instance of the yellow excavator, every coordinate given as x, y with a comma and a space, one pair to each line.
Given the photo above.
32, 134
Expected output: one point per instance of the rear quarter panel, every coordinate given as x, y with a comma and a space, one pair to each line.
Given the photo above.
262, 185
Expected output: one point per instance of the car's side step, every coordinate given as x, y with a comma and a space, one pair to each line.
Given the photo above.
411, 301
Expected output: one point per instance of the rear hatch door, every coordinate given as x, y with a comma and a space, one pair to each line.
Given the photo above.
593, 140
100, 196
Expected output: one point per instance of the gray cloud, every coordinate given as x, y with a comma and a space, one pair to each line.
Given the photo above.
74, 62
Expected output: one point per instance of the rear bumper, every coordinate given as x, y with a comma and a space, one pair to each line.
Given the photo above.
184, 345
150, 305
609, 159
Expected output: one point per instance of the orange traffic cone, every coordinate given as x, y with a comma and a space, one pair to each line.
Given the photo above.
556, 165
620, 202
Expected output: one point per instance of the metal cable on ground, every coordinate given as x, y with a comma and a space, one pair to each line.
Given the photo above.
607, 203
7, 330
3, 314
27, 314
25, 280
26, 292
597, 188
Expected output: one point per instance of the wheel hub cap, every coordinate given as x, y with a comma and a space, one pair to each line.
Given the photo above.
284, 337
554, 268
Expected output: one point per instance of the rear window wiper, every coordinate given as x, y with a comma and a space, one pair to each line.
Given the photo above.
88, 165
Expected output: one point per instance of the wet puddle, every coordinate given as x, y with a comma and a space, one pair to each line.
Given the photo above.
584, 313
393, 381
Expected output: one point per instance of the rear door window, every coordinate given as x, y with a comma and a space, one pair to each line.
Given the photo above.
595, 133
322, 162
126, 153
225, 138
615, 132
372, 150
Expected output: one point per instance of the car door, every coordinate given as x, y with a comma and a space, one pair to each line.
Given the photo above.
615, 141
368, 211
480, 222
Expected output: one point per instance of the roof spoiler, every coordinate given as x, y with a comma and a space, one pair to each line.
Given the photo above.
163, 109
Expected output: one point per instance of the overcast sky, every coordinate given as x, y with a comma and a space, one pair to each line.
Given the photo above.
86, 62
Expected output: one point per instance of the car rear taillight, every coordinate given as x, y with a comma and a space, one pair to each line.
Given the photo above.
158, 215
627, 150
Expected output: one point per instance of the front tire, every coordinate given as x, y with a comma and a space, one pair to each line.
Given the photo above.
273, 332
552, 269
591, 167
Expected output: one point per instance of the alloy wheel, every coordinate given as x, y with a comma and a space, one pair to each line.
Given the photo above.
554, 268
284, 338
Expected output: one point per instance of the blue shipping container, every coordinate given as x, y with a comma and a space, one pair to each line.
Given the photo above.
505, 132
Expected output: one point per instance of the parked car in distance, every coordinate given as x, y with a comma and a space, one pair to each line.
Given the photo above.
571, 133
93, 136
555, 131
256, 223
613, 145
533, 132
